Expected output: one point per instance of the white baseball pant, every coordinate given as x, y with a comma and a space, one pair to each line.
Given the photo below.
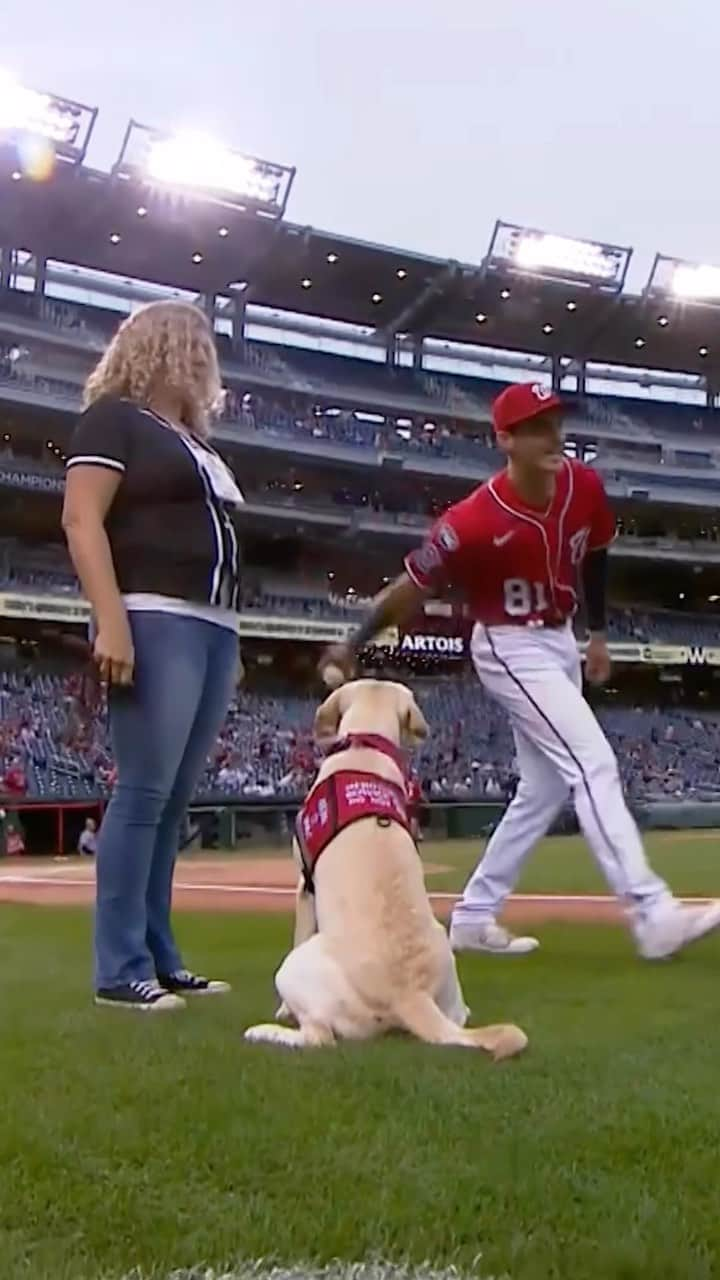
536, 676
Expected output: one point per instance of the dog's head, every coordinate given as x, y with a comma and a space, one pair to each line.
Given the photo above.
377, 706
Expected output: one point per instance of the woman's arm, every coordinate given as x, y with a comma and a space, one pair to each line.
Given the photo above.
89, 493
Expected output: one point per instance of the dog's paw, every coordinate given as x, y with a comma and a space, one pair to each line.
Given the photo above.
283, 1014
270, 1033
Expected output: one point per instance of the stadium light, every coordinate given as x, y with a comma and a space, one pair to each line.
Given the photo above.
696, 282
685, 281
42, 124
524, 250
200, 165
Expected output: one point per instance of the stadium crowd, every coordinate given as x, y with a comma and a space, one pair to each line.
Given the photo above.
53, 740
54, 745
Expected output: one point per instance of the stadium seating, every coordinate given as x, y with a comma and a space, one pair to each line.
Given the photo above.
317, 398
54, 730
54, 576
306, 381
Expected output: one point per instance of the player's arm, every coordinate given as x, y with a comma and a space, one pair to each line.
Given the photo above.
392, 607
427, 569
595, 564
594, 580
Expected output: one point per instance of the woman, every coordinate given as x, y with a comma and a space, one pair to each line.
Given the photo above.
150, 517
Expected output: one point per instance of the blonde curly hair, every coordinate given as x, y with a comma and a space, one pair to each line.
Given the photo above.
165, 346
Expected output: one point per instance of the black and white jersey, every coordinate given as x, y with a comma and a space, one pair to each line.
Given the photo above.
173, 526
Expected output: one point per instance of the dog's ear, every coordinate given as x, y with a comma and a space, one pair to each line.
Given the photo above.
329, 715
414, 725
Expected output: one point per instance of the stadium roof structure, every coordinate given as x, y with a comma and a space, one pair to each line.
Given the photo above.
576, 307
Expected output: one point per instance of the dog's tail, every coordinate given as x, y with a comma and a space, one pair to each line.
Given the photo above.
419, 1014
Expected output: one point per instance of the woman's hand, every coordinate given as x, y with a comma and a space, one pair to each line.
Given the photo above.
113, 650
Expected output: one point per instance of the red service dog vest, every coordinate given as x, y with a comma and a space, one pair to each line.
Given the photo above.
345, 797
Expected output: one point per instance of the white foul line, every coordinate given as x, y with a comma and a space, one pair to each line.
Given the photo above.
277, 891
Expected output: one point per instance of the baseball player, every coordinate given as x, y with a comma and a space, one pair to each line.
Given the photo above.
521, 549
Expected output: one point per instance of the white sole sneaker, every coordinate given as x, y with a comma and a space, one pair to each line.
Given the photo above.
490, 938
185, 983
139, 997
668, 932
213, 988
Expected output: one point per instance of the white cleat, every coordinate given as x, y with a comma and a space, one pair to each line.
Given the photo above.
673, 927
489, 937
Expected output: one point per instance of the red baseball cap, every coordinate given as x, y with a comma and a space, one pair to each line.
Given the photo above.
521, 402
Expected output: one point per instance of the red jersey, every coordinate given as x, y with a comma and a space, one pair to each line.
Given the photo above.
515, 564
14, 781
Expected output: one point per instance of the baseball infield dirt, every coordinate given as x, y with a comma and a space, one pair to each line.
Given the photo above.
258, 885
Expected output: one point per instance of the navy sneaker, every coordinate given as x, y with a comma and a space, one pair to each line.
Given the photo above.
184, 983
147, 997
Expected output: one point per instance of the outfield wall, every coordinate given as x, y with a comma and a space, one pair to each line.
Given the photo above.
54, 829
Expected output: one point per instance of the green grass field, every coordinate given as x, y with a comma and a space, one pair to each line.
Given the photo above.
162, 1147
689, 861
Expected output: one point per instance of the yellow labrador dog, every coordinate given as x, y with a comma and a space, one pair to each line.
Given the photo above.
369, 956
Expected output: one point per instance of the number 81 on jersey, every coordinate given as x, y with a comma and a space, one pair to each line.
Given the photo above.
523, 598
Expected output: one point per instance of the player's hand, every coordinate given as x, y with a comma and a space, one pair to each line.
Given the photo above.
337, 655
597, 660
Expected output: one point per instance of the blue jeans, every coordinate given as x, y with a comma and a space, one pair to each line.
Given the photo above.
162, 730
